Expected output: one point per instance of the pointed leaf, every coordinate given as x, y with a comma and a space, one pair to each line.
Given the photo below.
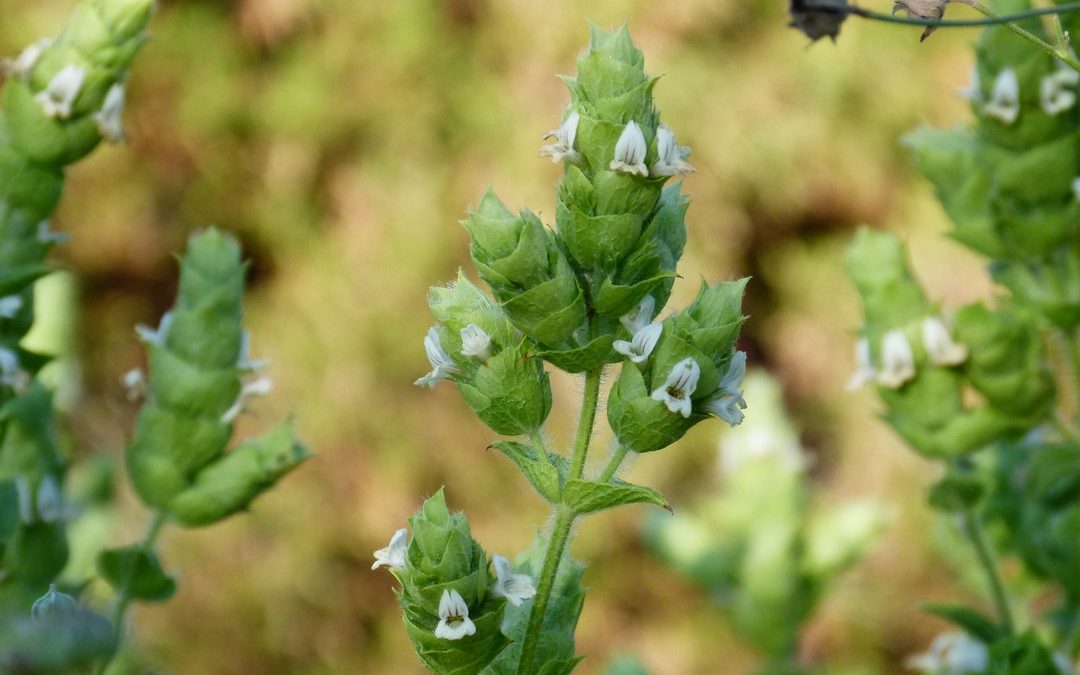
536, 467
138, 572
586, 496
977, 624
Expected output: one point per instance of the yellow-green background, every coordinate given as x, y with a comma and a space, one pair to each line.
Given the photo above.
342, 141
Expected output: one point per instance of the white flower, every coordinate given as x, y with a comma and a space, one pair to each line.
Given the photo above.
563, 147
1056, 94
729, 405
442, 366
475, 342
22, 65
1063, 663
110, 118
972, 92
48, 236
134, 382
50, 500
939, 344
10, 306
630, 151
1004, 103
641, 345
864, 368
454, 621
244, 361
671, 156
513, 587
681, 383
393, 556
11, 374
59, 96
250, 390
1076, 188
897, 360
155, 337
951, 654
642, 315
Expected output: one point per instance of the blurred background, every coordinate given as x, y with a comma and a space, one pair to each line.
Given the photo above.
342, 141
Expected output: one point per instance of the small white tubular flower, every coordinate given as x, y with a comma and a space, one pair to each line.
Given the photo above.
1076, 188
563, 147
109, 119
897, 360
1004, 103
393, 556
680, 385
46, 235
58, 97
22, 65
642, 344
972, 92
939, 344
513, 587
671, 159
134, 382
951, 654
454, 621
244, 361
156, 336
642, 315
50, 500
1056, 93
864, 368
729, 405
442, 366
475, 342
10, 306
259, 387
630, 151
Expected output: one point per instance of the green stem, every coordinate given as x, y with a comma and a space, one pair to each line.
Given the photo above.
1062, 55
589, 401
123, 600
974, 530
564, 523
613, 464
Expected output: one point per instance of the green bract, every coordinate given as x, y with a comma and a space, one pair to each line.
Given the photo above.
443, 557
177, 459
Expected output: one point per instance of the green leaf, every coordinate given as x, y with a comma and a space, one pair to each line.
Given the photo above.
9, 509
137, 572
586, 496
535, 465
956, 493
977, 624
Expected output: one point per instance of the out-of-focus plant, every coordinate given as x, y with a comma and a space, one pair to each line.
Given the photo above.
985, 390
580, 297
758, 544
61, 97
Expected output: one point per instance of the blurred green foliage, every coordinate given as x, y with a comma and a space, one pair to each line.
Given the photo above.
341, 142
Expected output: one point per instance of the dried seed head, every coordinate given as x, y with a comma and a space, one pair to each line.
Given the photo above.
818, 18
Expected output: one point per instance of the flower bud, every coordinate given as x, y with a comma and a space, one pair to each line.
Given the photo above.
450, 615
177, 460
532, 280
53, 602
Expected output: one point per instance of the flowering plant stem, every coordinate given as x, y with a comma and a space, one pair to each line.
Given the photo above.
123, 600
617, 457
564, 522
973, 528
1060, 52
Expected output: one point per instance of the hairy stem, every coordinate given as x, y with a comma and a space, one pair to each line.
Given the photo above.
988, 561
613, 464
123, 600
1062, 54
564, 523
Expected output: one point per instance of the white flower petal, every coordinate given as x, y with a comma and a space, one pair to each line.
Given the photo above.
442, 366
563, 147
972, 92
58, 97
22, 65
514, 587
110, 118
642, 315
10, 306
134, 384
670, 155
1004, 103
864, 368
630, 151
680, 385
50, 500
897, 360
393, 556
939, 344
475, 342
454, 621
641, 346
259, 387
